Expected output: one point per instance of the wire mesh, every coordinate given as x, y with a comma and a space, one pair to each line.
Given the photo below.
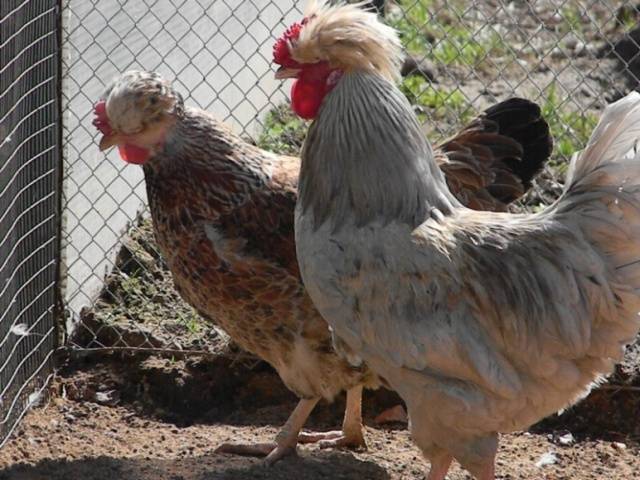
218, 53
572, 57
29, 193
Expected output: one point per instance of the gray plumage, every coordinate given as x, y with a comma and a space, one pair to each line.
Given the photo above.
482, 322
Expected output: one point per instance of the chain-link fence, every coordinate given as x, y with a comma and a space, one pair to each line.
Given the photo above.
29, 196
572, 57
218, 53
569, 56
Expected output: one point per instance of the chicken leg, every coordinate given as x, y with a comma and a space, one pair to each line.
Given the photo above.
285, 441
351, 434
289, 436
440, 466
441, 463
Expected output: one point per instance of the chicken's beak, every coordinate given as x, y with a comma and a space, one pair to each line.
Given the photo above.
284, 73
108, 141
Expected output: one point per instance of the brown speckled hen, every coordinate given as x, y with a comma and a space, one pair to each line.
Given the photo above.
223, 215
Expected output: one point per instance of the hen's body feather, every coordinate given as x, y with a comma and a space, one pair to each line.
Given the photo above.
482, 322
223, 217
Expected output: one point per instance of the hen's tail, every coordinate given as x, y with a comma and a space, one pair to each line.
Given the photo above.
493, 160
601, 200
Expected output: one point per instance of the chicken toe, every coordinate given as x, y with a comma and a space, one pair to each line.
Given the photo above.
334, 439
247, 449
286, 439
270, 450
351, 435
344, 441
280, 452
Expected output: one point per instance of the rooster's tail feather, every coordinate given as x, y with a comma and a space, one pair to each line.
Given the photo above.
602, 201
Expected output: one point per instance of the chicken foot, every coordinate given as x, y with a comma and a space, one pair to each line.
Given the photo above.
351, 435
285, 441
289, 436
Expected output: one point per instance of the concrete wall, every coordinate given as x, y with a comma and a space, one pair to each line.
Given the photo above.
219, 57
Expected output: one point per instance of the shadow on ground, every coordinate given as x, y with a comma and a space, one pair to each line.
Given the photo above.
335, 465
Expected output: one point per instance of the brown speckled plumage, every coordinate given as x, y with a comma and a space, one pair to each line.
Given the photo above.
223, 215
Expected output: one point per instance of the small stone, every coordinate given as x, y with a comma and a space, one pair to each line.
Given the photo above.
557, 52
418, 66
619, 446
70, 418
548, 458
566, 439
580, 49
110, 397
571, 42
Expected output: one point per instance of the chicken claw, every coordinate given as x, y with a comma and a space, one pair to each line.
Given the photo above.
286, 439
254, 449
334, 439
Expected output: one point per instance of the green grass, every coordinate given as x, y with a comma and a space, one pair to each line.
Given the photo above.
443, 35
629, 17
572, 16
437, 103
570, 129
412, 25
131, 284
283, 131
460, 46
191, 321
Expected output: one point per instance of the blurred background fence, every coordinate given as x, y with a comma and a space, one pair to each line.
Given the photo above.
572, 57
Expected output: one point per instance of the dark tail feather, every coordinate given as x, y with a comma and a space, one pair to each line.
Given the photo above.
522, 120
506, 146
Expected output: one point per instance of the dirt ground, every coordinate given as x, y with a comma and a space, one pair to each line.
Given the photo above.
110, 420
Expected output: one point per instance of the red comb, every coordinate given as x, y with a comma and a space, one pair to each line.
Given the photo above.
281, 53
101, 121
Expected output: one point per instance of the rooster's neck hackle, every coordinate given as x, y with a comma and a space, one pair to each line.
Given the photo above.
366, 159
348, 37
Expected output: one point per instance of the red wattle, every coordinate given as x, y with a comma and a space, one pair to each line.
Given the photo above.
101, 121
306, 98
132, 154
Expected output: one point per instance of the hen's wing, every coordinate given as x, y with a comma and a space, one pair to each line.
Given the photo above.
266, 219
493, 160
